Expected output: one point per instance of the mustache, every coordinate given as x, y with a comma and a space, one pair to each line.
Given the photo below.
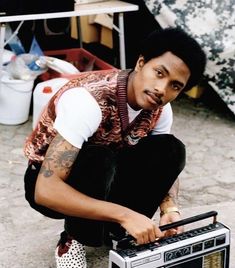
154, 95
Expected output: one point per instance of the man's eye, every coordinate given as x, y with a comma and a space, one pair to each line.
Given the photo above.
159, 73
176, 87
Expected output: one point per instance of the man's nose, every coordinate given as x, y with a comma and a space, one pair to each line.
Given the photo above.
161, 87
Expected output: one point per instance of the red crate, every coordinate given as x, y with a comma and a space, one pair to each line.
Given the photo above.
79, 57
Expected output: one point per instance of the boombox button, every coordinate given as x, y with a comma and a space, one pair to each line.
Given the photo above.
197, 247
182, 237
172, 240
190, 235
220, 240
130, 253
209, 243
153, 246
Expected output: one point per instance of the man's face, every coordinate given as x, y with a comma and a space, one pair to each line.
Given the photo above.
157, 82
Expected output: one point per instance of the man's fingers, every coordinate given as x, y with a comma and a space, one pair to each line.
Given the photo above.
172, 232
149, 236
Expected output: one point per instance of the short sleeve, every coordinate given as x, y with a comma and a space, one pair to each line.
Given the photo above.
78, 116
164, 124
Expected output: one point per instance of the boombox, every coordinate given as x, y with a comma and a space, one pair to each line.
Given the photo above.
204, 247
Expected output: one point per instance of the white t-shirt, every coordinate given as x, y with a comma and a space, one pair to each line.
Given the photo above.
78, 116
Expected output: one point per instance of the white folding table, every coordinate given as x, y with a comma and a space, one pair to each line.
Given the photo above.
109, 6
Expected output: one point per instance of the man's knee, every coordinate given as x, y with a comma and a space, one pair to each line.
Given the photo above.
165, 148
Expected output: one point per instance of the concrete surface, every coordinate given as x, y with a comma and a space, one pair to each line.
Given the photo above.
28, 239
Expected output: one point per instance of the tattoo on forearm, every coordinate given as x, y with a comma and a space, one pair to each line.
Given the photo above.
170, 197
173, 193
46, 171
59, 156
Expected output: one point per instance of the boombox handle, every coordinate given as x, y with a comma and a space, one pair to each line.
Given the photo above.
189, 220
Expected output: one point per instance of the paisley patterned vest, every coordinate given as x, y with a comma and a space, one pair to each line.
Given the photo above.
108, 87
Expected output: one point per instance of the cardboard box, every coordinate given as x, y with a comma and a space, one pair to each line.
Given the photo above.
105, 20
106, 37
94, 28
106, 23
90, 31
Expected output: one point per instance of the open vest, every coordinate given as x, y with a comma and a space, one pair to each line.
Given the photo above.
109, 88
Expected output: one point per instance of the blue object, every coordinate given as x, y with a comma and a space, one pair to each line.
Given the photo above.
35, 49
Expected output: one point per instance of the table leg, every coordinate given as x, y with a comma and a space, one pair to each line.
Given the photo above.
122, 41
79, 31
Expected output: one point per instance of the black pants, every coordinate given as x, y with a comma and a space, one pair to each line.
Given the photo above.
137, 177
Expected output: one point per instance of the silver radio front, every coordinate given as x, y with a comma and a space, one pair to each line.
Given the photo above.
204, 247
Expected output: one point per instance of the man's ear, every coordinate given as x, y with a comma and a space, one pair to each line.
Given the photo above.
139, 63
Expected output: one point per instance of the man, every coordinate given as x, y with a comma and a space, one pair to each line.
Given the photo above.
102, 156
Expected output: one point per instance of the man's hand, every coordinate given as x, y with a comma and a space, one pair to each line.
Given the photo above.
142, 228
169, 218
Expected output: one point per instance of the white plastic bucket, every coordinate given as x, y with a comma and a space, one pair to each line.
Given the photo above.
15, 98
41, 96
